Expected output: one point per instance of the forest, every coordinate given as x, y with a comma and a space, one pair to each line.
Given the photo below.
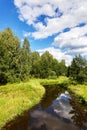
19, 63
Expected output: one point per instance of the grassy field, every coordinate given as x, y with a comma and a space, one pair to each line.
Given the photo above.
15, 98
60, 80
79, 90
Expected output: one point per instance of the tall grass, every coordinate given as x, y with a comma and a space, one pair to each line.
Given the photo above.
15, 98
60, 81
79, 90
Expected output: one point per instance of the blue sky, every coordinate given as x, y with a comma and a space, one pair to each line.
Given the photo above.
57, 26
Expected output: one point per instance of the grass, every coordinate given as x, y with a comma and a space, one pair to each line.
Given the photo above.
60, 80
79, 90
16, 98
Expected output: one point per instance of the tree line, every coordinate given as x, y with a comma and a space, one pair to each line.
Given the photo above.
18, 63
77, 71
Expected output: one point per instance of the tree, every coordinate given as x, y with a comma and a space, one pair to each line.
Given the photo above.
35, 63
9, 46
25, 60
77, 70
46, 65
55, 67
62, 68
3, 63
18, 63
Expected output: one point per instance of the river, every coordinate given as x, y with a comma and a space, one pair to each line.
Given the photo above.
57, 110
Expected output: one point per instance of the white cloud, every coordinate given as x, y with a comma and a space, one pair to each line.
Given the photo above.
26, 34
74, 12
59, 14
73, 41
30, 10
58, 54
82, 51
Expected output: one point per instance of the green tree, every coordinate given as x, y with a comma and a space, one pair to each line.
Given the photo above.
25, 60
46, 65
3, 63
9, 45
62, 68
35, 63
55, 66
77, 70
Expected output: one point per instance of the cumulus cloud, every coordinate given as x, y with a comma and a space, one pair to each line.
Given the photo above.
26, 34
75, 40
72, 12
30, 10
82, 51
58, 54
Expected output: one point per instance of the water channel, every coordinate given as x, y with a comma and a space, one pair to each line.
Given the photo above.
58, 110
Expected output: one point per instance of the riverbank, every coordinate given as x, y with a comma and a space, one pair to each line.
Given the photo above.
62, 81
80, 91
16, 98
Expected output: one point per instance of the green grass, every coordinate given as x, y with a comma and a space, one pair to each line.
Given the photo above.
16, 98
79, 90
60, 80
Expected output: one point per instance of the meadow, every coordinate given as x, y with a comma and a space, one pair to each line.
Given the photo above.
18, 97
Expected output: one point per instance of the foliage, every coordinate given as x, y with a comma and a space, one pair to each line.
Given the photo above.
18, 63
9, 49
62, 68
25, 60
50, 67
77, 70
52, 75
35, 64
46, 64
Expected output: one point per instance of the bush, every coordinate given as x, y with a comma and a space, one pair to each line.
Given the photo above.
52, 75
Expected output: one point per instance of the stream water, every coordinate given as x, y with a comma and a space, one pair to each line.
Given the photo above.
57, 111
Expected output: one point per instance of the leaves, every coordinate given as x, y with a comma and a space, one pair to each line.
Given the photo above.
78, 68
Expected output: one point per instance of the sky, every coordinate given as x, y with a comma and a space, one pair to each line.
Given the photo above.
57, 26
